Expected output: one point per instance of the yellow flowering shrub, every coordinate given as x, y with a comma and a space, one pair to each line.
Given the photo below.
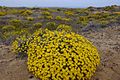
54, 55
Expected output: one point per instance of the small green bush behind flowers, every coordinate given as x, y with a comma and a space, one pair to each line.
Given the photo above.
51, 26
37, 25
30, 18
56, 55
64, 27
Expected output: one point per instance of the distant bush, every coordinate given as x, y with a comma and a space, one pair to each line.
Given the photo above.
26, 12
16, 22
13, 11
66, 19
69, 13
30, 18
103, 23
64, 27
46, 13
37, 25
48, 17
58, 18
41, 17
8, 27
3, 13
117, 13
51, 26
83, 20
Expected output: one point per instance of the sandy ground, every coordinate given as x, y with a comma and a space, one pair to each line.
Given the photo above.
106, 40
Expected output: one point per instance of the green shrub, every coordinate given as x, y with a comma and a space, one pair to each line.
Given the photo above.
46, 13
37, 25
8, 27
60, 55
16, 22
30, 18
69, 13
83, 20
51, 25
64, 27
41, 17
66, 19
13, 11
103, 23
58, 18
48, 17
26, 12
3, 13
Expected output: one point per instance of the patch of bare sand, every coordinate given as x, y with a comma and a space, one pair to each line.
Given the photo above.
107, 41
11, 68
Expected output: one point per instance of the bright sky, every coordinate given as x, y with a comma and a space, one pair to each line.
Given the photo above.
58, 3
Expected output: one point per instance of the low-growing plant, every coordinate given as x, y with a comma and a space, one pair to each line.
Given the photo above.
16, 22
66, 19
46, 13
37, 25
51, 26
103, 23
26, 12
64, 27
30, 18
48, 17
69, 13
58, 18
3, 13
8, 27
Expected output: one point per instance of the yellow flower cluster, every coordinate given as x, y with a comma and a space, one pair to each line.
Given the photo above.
54, 55
61, 55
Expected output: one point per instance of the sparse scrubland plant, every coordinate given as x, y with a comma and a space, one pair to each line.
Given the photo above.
103, 23
69, 13
37, 25
3, 13
26, 12
83, 20
30, 18
8, 28
16, 22
66, 19
48, 17
46, 13
58, 18
51, 26
54, 55
64, 27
